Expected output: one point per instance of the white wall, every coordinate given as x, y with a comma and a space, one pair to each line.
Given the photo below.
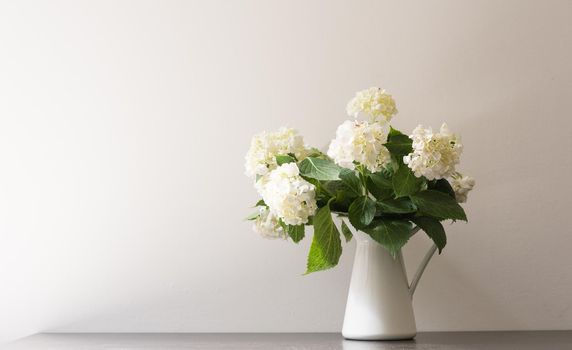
123, 127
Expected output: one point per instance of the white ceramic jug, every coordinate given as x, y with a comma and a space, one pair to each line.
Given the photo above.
379, 305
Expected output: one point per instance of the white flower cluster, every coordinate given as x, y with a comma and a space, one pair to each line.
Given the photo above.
373, 102
288, 196
434, 154
362, 142
266, 224
264, 147
462, 184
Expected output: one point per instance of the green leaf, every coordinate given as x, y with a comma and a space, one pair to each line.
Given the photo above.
316, 153
352, 182
283, 225
361, 212
326, 247
405, 183
433, 229
346, 231
392, 234
442, 185
394, 132
260, 203
330, 186
399, 145
252, 216
296, 232
310, 221
342, 194
319, 169
379, 186
381, 180
284, 159
401, 205
438, 205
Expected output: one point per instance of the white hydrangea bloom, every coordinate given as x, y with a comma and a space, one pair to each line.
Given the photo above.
264, 147
434, 154
288, 195
462, 185
266, 224
361, 142
373, 102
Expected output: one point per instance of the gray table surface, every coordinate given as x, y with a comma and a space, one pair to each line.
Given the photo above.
546, 340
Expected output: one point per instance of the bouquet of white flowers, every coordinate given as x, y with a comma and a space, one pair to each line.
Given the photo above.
380, 179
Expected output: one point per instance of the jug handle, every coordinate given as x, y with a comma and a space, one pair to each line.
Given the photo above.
422, 265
